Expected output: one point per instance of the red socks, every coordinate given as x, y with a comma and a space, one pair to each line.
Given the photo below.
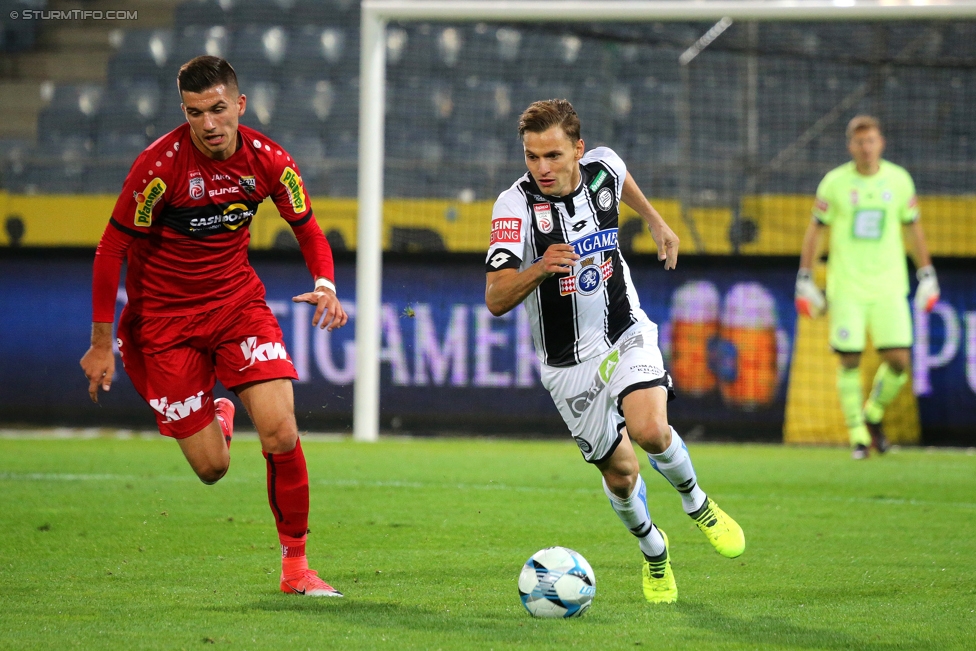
288, 497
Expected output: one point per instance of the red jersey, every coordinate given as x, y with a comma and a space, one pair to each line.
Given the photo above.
182, 219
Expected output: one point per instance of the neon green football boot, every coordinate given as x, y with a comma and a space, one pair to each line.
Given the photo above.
659, 585
722, 531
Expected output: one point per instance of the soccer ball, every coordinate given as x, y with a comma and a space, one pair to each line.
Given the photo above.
556, 582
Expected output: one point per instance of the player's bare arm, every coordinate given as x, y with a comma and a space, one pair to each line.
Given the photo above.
507, 288
329, 314
99, 362
667, 242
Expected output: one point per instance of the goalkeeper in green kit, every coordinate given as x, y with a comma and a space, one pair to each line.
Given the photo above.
867, 204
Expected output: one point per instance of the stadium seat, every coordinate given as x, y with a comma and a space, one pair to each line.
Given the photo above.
196, 40
131, 108
343, 13
170, 115
315, 52
200, 13
70, 113
309, 106
262, 100
119, 147
105, 177
242, 13
142, 54
16, 35
257, 52
487, 106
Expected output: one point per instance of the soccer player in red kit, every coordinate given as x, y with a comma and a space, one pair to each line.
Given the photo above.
196, 312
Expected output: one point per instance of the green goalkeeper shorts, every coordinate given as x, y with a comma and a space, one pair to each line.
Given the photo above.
888, 318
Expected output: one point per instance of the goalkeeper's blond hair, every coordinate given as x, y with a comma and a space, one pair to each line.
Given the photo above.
861, 123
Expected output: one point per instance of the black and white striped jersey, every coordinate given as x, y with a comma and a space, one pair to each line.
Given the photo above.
579, 315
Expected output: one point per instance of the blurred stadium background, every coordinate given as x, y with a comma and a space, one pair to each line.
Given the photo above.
729, 148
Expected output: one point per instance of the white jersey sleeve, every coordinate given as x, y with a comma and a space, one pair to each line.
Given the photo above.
509, 224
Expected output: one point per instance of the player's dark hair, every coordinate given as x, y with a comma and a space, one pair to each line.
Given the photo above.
545, 114
201, 73
862, 122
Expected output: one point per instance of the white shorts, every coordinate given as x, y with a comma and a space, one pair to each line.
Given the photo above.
589, 395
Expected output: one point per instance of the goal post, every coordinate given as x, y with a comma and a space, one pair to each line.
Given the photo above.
377, 13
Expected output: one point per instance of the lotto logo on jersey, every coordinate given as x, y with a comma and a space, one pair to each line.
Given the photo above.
174, 411
296, 190
145, 201
505, 229
255, 352
543, 216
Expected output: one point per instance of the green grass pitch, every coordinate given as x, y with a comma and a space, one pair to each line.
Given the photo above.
108, 543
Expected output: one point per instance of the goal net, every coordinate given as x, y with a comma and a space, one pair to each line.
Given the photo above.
727, 114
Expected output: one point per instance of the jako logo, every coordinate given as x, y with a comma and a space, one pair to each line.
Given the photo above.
177, 410
267, 351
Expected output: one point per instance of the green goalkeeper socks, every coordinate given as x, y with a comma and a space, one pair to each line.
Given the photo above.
887, 384
851, 404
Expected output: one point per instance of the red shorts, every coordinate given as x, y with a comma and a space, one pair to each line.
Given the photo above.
174, 361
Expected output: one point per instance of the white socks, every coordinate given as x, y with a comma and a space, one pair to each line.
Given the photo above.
632, 511
675, 464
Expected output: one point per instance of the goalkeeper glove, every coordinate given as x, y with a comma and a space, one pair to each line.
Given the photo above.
809, 300
927, 294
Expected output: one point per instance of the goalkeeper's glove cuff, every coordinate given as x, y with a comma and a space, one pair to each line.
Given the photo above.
922, 273
927, 294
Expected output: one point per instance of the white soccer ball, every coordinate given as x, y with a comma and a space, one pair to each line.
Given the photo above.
556, 582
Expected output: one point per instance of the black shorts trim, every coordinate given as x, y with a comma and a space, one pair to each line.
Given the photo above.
846, 352
613, 448
125, 229
663, 381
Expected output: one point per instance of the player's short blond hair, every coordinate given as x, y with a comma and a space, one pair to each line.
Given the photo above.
860, 123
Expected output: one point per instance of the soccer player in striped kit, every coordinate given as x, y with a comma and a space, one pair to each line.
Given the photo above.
554, 247
196, 311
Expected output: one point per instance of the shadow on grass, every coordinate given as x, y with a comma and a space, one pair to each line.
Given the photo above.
390, 614
768, 631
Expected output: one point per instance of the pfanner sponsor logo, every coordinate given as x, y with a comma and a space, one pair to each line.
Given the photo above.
505, 229
296, 191
255, 352
605, 240
145, 201
174, 411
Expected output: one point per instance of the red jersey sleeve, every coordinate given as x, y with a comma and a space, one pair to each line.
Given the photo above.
289, 195
143, 194
131, 218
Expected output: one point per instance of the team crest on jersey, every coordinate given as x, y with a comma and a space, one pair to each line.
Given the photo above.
588, 279
886, 195
145, 201
604, 199
543, 216
197, 189
248, 184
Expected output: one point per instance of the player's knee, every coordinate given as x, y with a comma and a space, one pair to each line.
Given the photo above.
279, 440
212, 473
621, 481
653, 434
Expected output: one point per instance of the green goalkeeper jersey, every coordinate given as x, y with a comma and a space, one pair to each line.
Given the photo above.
865, 215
